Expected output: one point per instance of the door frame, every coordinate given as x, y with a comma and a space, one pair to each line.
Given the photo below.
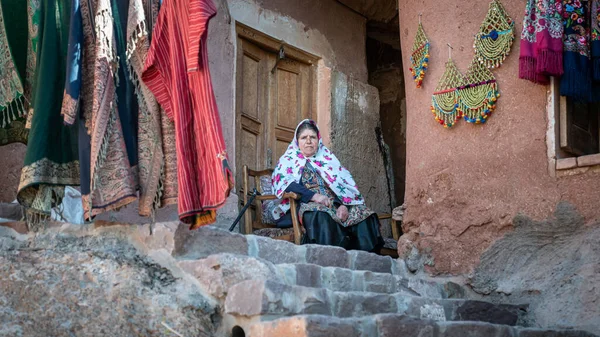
273, 45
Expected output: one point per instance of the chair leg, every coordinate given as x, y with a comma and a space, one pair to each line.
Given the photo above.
248, 214
395, 232
295, 222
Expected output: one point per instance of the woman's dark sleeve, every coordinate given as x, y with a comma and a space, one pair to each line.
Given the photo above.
304, 193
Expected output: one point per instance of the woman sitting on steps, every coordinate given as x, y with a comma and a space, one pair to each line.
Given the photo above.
332, 209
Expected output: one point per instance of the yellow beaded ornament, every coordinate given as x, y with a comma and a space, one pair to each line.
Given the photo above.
444, 103
477, 98
495, 38
419, 58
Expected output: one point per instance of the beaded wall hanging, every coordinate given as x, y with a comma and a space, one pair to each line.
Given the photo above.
495, 38
419, 57
477, 98
444, 103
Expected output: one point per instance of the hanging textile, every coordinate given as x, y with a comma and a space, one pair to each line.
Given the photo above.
495, 38
16, 60
13, 59
51, 158
101, 101
595, 16
178, 49
156, 133
577, 80
541, 53
477, 98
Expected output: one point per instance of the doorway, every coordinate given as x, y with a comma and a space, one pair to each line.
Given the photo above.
275, 90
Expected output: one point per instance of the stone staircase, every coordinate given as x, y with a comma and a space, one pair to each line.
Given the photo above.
267, 288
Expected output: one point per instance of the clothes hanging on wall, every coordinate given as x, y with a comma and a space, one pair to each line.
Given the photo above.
178, 50
15, 75
102, 103
541, 41
562, 38
577, 80
51, 158
156, 133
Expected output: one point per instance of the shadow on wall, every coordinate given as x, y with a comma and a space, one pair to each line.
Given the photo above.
554, 265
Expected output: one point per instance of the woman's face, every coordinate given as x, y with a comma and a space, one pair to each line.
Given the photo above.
308, 142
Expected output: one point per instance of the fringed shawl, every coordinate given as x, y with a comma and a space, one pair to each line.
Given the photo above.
595, 16
13, 55
93, 99
577, 80
156, 133
541, 53
51, 158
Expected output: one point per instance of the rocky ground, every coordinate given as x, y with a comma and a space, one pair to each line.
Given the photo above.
119, 280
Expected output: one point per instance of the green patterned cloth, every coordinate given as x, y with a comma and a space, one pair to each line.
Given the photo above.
51, 161
13, 65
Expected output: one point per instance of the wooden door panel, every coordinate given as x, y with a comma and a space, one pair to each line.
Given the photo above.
287, 98
251, 108
250, 86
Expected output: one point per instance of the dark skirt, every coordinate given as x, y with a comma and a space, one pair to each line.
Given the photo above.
321, 229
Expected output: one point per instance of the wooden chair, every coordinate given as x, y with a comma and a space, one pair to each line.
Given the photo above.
257, 223
251, 224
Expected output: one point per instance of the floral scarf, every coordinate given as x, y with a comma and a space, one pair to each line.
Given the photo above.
577, 80
596, 39
291, 165
541, 53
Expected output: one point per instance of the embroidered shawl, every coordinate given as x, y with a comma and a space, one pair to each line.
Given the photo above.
291, 165
156, 133
541, 41
98, 50
13, 58
595, 13
51, 158
577, 80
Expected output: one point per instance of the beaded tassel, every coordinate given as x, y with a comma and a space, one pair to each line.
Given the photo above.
444, 103
495, 38
477, 98
419, 57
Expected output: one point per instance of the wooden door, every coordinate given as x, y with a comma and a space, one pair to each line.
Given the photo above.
272, 97
252, 115
292, 101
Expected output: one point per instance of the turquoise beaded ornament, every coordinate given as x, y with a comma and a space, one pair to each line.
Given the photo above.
477, 98
445, 101
495, 38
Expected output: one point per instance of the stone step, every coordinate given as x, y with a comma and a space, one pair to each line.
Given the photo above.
269, 300
219, 272
208, 240
389, 325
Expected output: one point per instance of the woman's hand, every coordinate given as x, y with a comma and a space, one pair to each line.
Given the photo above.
342, 213
321, 199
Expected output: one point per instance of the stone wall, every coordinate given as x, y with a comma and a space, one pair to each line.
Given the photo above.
465, 185
355, 116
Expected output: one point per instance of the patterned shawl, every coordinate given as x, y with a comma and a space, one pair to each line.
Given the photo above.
51, 158
291, 164
157, 155
541, 53
577, 80
595, 13
96, 77
13, 58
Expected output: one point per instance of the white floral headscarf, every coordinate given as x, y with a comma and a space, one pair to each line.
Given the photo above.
289, 169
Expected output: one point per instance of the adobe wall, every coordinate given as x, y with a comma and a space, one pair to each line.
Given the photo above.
465, 185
